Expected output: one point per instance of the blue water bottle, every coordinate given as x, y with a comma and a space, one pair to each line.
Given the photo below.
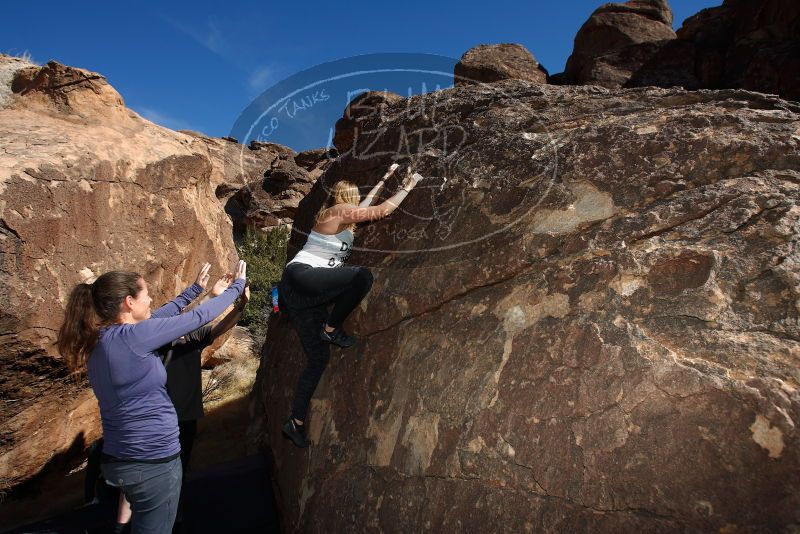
275, 308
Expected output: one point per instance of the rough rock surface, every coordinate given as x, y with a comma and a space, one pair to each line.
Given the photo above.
86, 185
491, 63
363, 107
616, 40
752, 45
271, 201
590, 326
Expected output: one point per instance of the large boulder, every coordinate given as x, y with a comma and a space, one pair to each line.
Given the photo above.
752, 45
491, 63
616, 40
271, 201
87, 186
584, 320
369, 105
64, 89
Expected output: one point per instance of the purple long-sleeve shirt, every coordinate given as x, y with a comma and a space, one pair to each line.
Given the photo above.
129, 380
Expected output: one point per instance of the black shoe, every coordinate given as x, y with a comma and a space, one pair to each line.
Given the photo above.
337, 337
296, 433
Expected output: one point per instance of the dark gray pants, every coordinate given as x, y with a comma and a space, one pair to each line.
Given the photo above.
307, 291
343, 286
153, 491
308, 322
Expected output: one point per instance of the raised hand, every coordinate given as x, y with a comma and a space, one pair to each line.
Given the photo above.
202, 276
222, 284
393, 167
241, 270
411, 182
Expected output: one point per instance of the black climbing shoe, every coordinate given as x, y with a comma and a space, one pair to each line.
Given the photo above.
296, 433
337, 337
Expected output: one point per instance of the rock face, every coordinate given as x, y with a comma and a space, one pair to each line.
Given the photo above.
271, 201
616, 40
585, 320
491, 63
740, 44
363, 107
752, 45
86, 186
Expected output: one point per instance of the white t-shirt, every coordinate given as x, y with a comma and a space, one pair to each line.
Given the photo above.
324, 250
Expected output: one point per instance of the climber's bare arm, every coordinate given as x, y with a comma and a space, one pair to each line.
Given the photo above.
375, 190
342, 214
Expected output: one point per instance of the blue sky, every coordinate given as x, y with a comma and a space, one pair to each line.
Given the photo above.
199, 65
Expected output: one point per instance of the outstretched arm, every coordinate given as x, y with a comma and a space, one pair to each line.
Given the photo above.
375, 190
230, 320
176, 305
347, 214
151, 334
219, 287
371, 195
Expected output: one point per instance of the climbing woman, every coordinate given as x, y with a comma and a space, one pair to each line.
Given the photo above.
316, 277
109, 330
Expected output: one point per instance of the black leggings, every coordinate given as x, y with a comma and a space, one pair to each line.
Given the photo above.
188, 431
347, 286
93, 470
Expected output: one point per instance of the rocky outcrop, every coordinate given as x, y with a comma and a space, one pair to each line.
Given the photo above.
86, 186
752, 45
617, 40
584, 320
271, 201
366, 106
740, 44
491, 63
67, 90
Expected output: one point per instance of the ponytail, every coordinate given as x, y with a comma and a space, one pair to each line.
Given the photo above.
78, 334
90, 306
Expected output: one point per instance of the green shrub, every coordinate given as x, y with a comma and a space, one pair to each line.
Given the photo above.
265, 254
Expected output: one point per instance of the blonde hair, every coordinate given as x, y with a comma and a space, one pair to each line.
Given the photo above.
343, 192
